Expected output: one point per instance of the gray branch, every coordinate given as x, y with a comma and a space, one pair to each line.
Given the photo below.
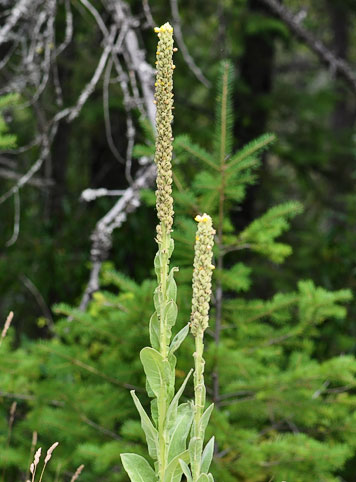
180, 41
130, 199
18, 11
325, 55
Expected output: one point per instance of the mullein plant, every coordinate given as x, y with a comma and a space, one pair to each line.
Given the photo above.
175, 434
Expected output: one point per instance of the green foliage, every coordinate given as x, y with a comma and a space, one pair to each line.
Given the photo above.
281, 411
7, 141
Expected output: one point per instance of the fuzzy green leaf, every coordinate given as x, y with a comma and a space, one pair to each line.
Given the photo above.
156, 299
147, 427
157, 265
186, 470
172, 285
180, 430
154, 329
156, 369
170, 313
138, 469
203, 478
205, 420
179, 338
154, 411
174, 470
207, 456
195, 449
149, 390
171, 247
172, 409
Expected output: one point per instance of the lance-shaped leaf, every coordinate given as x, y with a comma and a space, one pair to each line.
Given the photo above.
138, 469
180, 430
171, 247
154, 411
172, 285
174, 470
171, 312
156, 299
210, 478
205, 420
203, 478
156, 369
149, 390
186, 470
147, 427
173, 407
154, 331
195, 450
157, 265
179, 338
207, 456
170, 315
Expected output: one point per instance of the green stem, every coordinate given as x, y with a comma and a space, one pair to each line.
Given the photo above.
199, 400
162, 400
164, 257
162, 410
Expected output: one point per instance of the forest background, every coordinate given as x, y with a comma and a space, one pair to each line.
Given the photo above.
72, 206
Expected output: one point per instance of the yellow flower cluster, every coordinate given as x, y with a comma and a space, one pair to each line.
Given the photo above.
164, 117
164, 28
203, 269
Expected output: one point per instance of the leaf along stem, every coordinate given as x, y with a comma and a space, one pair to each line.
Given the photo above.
199, 402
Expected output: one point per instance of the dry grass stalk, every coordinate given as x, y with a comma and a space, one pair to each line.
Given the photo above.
6, 326
77, 473
33, 466
48, 458
32, 451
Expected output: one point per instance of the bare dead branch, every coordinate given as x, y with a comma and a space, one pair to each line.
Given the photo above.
327, 57
68, 35
101, 237
130, 199
16, 230
148, 14
108, 130
180, 41
29, 174
89, 89
40, 300
19, 10
92, 194
29, 28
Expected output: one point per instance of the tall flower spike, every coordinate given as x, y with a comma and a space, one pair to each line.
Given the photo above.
202, 274
164, 117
